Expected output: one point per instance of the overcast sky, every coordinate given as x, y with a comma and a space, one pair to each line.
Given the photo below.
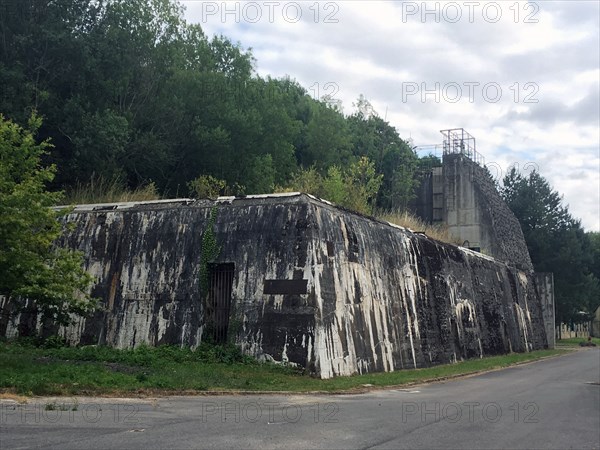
522, 77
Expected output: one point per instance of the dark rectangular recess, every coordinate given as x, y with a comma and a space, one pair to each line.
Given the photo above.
219, 305
290, 287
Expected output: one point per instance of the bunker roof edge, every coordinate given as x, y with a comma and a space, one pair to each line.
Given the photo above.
147, 204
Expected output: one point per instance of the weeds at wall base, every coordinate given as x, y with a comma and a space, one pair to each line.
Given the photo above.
94, 370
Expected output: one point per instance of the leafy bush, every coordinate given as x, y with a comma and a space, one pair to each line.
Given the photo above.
355, 188
32, 267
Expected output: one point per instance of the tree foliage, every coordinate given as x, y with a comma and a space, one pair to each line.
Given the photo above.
31, 266
557, 243
354, 188
128, 89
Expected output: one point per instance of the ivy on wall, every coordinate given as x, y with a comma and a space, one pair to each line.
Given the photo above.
210, 251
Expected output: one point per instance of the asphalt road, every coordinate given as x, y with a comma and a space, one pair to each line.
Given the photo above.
553, 403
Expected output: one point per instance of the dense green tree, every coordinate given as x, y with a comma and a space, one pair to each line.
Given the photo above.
594, 239
129, 90
376, 139
557, 243
31, 266
427, 162
327, 138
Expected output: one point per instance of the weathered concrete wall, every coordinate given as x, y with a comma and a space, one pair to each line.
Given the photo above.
429, 202
392, 299
595, 324
147, 260
545, 284
475, 212
331, 291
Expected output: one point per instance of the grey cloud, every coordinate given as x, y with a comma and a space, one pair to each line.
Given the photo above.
578, 175
550, 111
561, 60
587, 110
572, 12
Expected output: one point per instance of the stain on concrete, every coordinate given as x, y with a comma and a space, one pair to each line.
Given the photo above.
364, 295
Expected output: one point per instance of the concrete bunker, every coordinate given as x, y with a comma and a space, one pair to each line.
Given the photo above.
294, 279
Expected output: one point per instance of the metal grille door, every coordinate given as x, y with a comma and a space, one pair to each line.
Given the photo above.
221, 284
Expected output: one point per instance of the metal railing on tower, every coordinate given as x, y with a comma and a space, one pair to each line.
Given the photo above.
458, 141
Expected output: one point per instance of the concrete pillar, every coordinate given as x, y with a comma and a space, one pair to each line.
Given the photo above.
462, 211
545, 285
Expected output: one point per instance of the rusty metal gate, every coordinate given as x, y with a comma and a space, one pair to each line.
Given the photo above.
221, 284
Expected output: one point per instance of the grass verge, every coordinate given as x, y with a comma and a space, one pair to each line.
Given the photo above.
29, 370
577, 341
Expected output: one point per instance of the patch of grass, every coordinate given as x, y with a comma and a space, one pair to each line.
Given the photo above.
55, 406
29, 370
577, 341
105, 190
407, 220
